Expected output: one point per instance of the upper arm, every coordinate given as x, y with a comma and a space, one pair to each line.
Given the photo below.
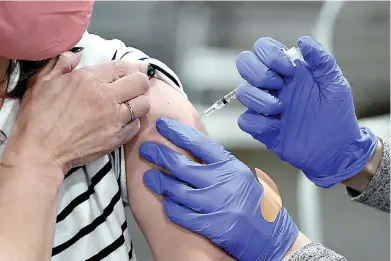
167, 240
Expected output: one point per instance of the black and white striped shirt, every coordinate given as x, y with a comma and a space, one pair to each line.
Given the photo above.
91, 222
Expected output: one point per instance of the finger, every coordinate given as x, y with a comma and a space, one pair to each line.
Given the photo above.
180, 166
197, 143
114, 70
48, 68
258, 100
130, 87
164, 157
272, 54
129, 131
177, 164
321, 61
134, 109
261, 128
256, 73
178, 191
58, 66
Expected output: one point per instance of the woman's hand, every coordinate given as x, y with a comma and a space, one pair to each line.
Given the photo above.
69, 118
220, 199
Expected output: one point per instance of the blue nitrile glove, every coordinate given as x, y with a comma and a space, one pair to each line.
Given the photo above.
304, 114
219, 199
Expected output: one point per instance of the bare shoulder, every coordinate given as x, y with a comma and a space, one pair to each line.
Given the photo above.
168, 102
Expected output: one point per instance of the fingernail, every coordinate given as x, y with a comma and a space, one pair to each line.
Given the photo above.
76, 49
150, 71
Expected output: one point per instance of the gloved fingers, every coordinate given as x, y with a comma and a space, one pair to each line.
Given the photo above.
164, 157
258, 100
180, 166
321, 61
256, 73
272, 54
197, 143
178, 191
262, 128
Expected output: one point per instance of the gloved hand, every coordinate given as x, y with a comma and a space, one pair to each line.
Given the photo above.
304, 114
219, 199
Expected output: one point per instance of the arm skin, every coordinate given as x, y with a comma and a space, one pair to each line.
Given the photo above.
28, 199
168, 241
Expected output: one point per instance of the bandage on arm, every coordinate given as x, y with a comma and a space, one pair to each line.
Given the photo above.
168, 241
270, 206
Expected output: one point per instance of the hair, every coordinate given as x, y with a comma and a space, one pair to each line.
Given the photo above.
27, 70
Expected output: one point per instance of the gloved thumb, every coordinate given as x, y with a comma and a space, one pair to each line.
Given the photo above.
61, 65
321, 62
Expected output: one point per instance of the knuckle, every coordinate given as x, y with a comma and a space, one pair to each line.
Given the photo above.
120, 69
114, 130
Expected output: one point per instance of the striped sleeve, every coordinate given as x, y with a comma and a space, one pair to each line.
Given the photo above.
163, 72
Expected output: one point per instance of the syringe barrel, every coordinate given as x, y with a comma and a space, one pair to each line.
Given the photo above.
294, 54
229, 97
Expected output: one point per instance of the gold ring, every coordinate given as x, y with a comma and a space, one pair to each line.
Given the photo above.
132, 115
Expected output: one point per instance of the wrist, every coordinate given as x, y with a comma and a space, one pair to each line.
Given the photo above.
300, 242
364, 177
28, 180
31, 160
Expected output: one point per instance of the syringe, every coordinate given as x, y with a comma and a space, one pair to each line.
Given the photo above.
220, 103
293, 54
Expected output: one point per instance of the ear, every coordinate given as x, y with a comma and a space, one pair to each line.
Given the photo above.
271, 202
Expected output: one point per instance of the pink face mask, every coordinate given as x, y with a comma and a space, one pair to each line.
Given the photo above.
39, 30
